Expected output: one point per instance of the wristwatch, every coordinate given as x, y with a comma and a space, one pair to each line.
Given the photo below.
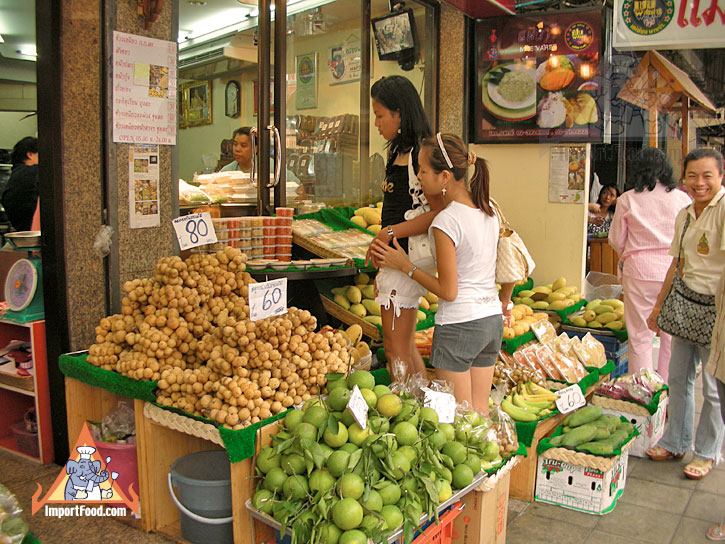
390, 232
412, 271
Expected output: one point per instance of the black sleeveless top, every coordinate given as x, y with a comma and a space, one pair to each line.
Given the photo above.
396, 197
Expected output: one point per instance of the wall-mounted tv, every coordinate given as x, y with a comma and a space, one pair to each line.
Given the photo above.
395, 35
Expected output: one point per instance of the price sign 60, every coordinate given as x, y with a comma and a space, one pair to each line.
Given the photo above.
267, 299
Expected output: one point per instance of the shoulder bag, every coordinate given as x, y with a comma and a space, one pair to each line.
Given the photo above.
419, 248
685, 313
513, 260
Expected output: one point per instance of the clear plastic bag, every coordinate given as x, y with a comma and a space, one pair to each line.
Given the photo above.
117, 426
505, 430
13, 527
598, 285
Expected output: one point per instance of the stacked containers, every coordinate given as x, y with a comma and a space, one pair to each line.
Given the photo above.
283, 223
270, 241
256, 250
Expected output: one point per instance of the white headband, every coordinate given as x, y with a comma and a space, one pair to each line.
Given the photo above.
443, 150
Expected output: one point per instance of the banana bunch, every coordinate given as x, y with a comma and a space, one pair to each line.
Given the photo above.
529, 402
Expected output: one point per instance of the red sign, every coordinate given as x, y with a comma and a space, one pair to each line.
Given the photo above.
537, 78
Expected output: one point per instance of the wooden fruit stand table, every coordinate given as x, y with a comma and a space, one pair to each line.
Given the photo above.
523, 476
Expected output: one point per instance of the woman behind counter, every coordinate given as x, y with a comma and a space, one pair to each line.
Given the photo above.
698, 251
20, 198
642, 230
601, 212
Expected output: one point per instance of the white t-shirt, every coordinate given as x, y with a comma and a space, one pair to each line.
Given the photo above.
475, 236
704, 245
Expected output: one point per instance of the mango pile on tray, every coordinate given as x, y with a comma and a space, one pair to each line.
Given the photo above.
551, 296
598, 314
368, 217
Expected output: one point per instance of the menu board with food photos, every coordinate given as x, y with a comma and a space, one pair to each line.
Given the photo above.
537, 78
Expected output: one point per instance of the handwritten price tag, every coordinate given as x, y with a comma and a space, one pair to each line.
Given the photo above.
194, 230
267, 299
570, 398
358, 407
444, 404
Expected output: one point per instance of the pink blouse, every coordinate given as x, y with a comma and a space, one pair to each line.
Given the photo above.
642, 231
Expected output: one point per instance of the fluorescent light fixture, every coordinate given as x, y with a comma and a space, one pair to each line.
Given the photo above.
28, 50
228, 25
1, 39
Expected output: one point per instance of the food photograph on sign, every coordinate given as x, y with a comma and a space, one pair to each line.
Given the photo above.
537, 79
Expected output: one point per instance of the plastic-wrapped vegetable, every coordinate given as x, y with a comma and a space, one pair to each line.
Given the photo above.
12, 525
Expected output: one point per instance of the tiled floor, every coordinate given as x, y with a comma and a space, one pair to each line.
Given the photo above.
659, 505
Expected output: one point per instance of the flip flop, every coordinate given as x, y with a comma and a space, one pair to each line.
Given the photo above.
658, 453
697, 469
715, 533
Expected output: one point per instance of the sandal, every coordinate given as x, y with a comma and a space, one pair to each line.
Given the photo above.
697, 469
716, 532
658, 453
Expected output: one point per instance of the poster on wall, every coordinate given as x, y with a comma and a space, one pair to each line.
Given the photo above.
668, 24
143, 186
568, 173
345, 62
537, 79
144, 90
306, 70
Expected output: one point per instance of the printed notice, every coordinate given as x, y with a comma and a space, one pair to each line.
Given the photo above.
568, 172
144, 90
143, 186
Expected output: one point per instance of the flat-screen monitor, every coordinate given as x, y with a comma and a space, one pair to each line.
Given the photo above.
395, 35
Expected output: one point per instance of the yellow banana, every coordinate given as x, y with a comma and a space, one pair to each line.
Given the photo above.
536, 401
518, 400
538, 390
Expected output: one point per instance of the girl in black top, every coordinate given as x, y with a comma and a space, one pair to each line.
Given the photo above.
401, 120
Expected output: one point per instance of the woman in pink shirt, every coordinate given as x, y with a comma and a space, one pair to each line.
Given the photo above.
641, 233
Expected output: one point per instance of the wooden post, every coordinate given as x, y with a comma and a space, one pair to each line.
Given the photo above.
685, 125
652, 109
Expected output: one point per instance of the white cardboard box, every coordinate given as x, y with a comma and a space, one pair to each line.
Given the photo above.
580, 488
650, 428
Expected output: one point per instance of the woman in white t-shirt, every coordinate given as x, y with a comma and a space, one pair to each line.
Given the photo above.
469, 324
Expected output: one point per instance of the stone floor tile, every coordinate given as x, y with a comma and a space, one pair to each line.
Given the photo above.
632, 462
706, 506
517, 505
639, 522
599, 537
531, 529
691, 531
665, 498
552, 511
713, 483
662, 472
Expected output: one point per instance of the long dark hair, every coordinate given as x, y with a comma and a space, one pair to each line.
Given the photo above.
22, 148
616, 192
650, 166
398, 94
703, 153
460, 161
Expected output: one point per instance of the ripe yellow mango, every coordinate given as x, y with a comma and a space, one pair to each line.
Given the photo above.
614, 303
359, 221
423, 303
578, 321
358, 310
372, 307
374, 319
557, 305
372, 216
559, 283
525, 293
518, 330
528, 301
594, 324
431, 297
589, 315
508, 333
342, 301
353, 294
362, 277
374, 228
607, 317
540, 305
593, 304
553, 297
615, 325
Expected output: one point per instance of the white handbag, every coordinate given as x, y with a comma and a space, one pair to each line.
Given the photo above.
419, 248
513, 260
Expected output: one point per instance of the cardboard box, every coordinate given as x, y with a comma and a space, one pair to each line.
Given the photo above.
650, 428
483, 520
580, 488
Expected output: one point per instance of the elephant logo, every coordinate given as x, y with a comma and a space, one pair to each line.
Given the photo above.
87, 478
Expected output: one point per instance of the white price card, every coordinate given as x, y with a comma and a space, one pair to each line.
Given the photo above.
267, 299
570, 398
444, 404
194, 230
358, 407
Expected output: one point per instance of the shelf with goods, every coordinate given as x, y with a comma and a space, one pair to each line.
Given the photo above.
19, 394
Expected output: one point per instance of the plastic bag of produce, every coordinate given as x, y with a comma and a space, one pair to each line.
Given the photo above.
12, 525
118, 426
602, 286
505, 430
189, 194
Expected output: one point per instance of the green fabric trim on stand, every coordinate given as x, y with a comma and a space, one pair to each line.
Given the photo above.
30, 539
571, 309
76, 367
382, 376
606, 369
523, 287
509, 346
525, 429
336, 218
545, 445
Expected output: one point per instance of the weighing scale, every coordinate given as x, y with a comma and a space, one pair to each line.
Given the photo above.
24, 288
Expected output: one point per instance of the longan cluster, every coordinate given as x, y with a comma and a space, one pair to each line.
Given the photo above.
188, 329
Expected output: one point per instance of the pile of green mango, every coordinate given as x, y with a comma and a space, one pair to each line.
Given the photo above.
588, 430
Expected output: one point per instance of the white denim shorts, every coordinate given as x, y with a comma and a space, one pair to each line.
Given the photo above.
396, 288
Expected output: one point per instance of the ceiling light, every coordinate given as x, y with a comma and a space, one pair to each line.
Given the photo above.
1, 39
